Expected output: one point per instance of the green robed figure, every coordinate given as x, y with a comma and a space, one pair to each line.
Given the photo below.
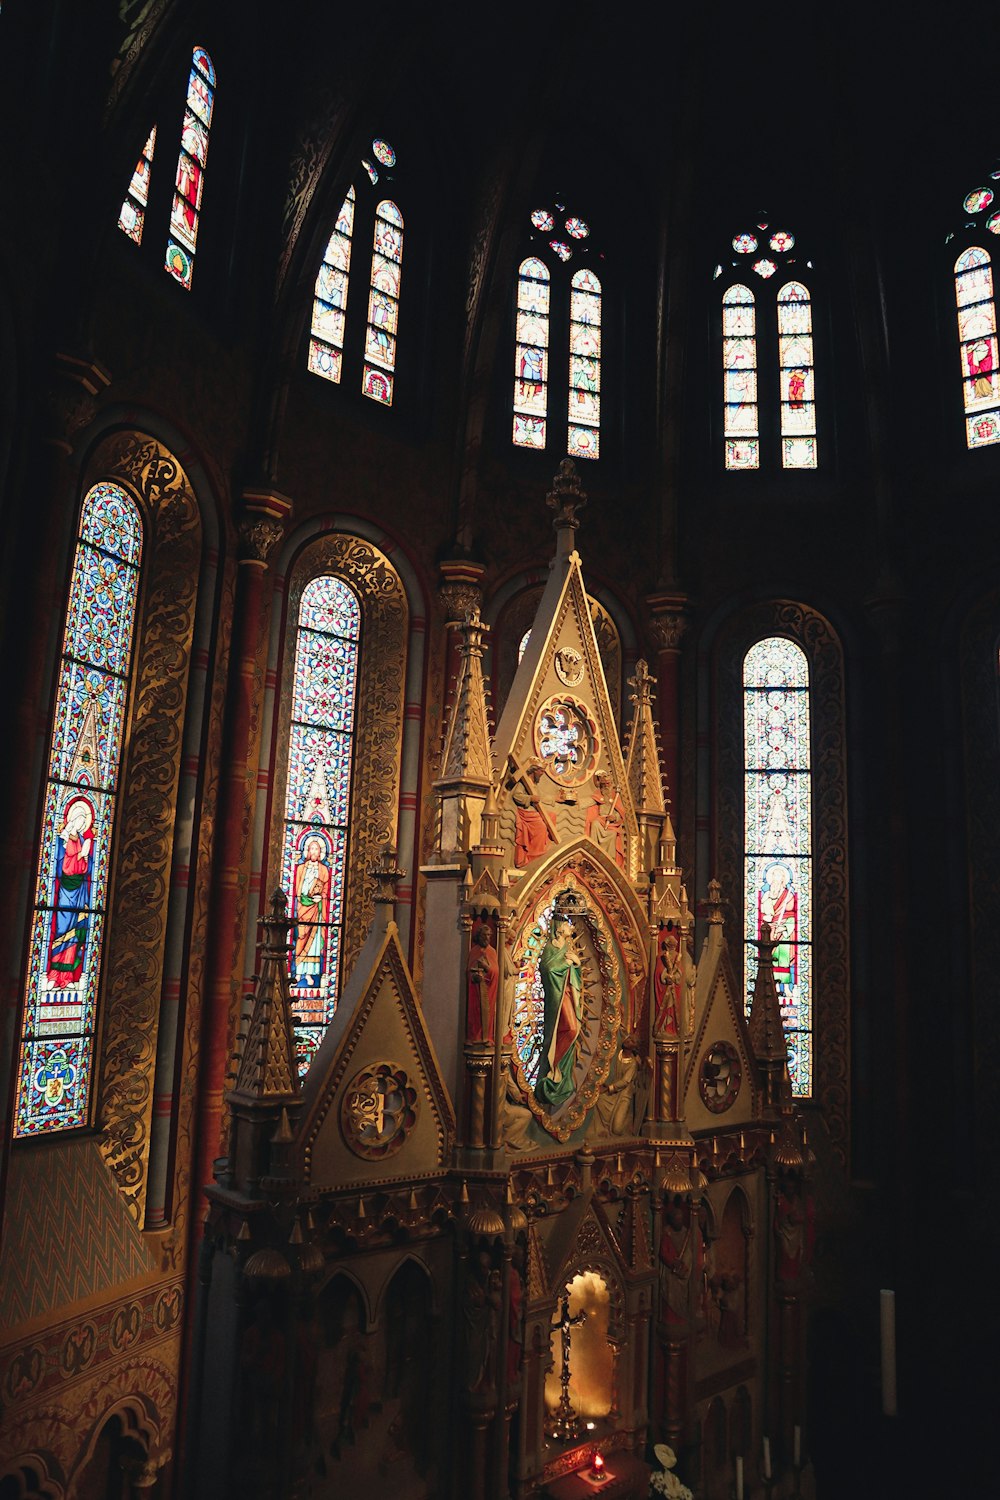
562, 986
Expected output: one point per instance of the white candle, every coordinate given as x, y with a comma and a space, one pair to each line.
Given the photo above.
887, 1310
767, 1458
739, 1479
797, 1440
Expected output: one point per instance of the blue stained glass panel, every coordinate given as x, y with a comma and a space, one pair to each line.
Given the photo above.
317, 800
71, 889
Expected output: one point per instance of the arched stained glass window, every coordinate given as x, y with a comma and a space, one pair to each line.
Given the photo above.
584, 366
326, 346
531, 356
133, 211
191, 160
778, 836
317, 800
739, 365
383, 304
55, 1074
797, 375
977, 333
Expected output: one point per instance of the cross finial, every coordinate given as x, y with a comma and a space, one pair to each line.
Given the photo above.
715, 903
642, 683
566, 497
274, 927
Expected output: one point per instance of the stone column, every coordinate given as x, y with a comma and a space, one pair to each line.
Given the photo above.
262, 523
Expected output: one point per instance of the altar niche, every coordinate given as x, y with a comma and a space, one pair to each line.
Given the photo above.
567, 1006
579, 1388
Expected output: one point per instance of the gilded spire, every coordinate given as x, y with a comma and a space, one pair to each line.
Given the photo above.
767, 1034
642, 759
267, 1068
566, 497
466, 758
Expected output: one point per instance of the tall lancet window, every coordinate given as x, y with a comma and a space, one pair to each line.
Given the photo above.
132, 218
977, 338
317, 799
798, 389
383, 304
768, 355
326, 346
56, 1065
739, 366
531, 355
584, 366
558, 339
778, 837
191, 160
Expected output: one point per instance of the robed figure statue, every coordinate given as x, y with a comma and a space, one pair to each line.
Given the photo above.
562, 987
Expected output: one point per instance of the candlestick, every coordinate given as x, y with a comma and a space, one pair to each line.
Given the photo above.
739, 1479
797, 1447
887, 1311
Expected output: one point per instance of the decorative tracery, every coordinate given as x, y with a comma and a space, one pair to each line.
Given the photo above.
752, 416
55, 1075
778, 836
317, 799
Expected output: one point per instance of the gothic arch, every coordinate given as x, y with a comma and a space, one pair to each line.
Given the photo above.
814, 634
410, 1258
336, 1270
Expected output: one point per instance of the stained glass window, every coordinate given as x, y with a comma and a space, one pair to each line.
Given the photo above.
191, 159
133, 211
383, 304
977, 334
778, 837
531, 357
584, 366
317, 800
56, 1065
326, 345
797, 377
739, 373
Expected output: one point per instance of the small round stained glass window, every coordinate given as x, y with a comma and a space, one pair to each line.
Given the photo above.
384, 153
781, 241
577, 228
977, 200
744, 244
543, 220
993, 223
370, 169
561, 248
566, 741
764, 268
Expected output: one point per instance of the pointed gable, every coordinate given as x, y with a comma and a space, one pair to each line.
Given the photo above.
720, 1082
377, 1106
557, 747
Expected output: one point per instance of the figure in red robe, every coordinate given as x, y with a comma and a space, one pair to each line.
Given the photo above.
666, 983
483, 978
532, 832
796, 389
979, 357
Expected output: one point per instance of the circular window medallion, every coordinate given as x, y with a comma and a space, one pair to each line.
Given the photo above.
379, 1111
719, 1077
566, 741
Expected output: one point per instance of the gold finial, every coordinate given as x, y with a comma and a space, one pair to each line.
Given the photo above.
566, 497
463, 1196
715, 903
642, 683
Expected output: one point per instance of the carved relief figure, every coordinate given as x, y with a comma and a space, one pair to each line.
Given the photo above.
676, 1257
667, 980
515, 1118
515, 1318
794, 1231
535, 825
68, 934
615, 1107
480, 1315
482, 980
606, 819
561, 974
